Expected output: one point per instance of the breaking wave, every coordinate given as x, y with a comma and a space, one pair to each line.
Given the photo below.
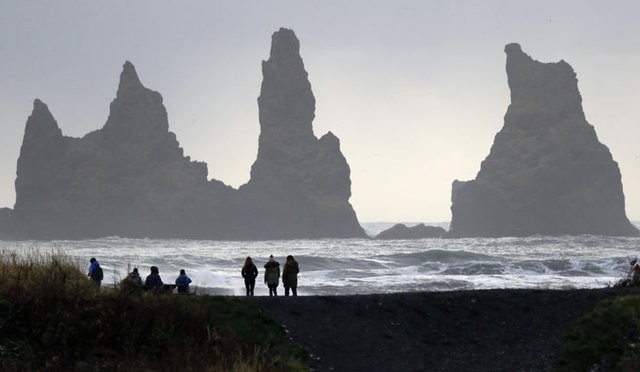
361, 266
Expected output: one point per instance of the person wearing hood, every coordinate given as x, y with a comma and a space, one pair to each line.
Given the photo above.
272, 275
153, 282
290, 276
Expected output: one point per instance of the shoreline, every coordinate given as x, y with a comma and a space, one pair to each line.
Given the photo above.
480, 330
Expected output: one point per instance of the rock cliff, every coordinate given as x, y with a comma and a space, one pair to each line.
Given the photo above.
131, 178
546, 173
419, 231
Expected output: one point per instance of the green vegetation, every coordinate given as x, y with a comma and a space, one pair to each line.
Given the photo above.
607, 339
53, 317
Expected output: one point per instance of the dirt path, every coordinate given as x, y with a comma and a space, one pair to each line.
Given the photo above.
490, 330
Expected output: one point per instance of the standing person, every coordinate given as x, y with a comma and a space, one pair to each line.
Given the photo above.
272, 275
153, 282
95, 272
635, 278
249, 273
182, 282
290, 276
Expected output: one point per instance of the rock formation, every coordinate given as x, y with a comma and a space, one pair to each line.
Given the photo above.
547, 173
303, 180
131, 178
420, 231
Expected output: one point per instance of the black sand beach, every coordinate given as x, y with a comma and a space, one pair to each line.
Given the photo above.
482, 330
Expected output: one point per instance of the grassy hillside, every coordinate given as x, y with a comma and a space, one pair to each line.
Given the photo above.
53, 317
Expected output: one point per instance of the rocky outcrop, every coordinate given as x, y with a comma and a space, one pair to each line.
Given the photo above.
131, 178
547, 173
303, 180
420, 231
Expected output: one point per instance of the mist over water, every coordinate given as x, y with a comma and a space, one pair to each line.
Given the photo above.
362, 266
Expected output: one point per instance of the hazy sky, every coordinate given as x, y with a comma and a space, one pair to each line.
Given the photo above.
415, 90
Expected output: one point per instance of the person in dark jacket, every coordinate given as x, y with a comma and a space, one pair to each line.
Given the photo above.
95, 272
153, 282
182, 282
272, 275
134, 277
290, 276
249, 273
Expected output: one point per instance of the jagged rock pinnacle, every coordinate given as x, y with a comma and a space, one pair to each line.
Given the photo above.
129, 80
284, 45
41, 122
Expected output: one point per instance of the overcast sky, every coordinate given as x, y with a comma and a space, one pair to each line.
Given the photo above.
415, 90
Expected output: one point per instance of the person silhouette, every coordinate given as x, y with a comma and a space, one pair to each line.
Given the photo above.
272, 275
249, 273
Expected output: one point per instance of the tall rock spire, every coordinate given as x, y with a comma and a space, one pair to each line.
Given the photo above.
286, 102
129, 80
38, 180
547, 173
307, 176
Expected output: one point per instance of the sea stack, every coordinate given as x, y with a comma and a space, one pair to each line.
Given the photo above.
300, 185
131, 179
546, 173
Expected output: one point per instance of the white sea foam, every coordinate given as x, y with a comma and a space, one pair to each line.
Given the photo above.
359, 266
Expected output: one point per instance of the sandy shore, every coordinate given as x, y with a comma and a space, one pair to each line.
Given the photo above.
488, 330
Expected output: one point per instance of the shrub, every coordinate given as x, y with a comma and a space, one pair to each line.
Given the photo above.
607, 339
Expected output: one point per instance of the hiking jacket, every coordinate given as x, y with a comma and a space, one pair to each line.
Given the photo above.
183, 283
290, 274
153, 282
272, 273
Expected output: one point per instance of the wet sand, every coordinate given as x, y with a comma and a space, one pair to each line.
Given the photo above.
482, 330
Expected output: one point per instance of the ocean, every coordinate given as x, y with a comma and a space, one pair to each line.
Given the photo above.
364, 266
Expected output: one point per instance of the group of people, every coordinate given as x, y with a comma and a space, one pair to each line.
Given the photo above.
272, 275
154, 283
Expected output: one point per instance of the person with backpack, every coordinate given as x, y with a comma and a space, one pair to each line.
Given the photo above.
249, 273
95, 272
272, 275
